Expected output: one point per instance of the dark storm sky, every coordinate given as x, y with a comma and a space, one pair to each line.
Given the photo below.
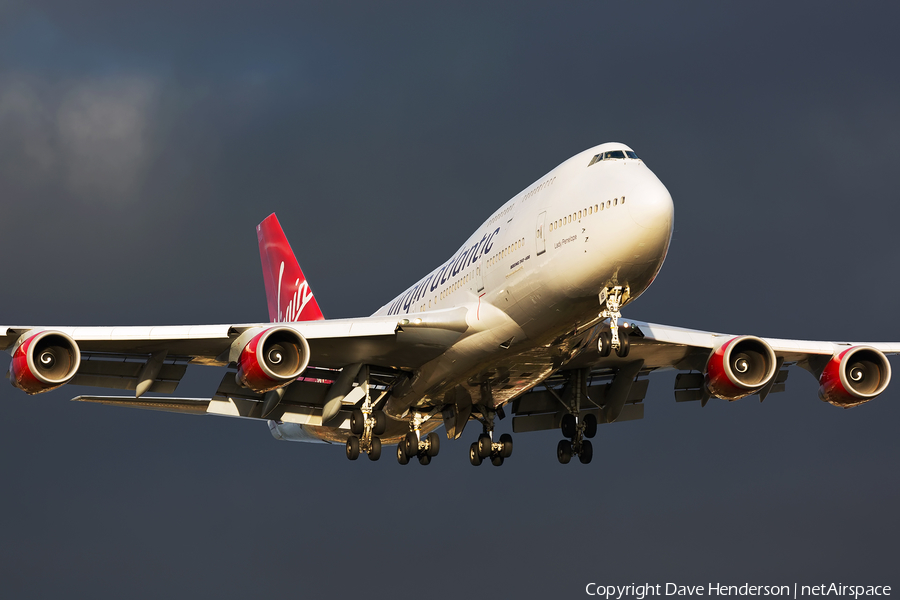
141, 142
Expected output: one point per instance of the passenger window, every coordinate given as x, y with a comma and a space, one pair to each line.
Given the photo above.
623, 197
601, 207
608, 203
615, 201
596, 208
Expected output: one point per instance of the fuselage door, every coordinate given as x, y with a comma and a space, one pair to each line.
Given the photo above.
540, 234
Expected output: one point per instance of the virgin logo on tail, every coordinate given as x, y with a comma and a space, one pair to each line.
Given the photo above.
294, 308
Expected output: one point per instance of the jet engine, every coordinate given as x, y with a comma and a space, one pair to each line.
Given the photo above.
854, 377
272, 359
740, 367
44, 361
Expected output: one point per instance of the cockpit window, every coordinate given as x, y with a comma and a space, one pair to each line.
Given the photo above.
613, 154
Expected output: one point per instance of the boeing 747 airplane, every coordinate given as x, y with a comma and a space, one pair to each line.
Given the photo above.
525, 318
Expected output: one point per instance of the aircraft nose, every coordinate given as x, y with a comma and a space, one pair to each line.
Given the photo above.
651, 206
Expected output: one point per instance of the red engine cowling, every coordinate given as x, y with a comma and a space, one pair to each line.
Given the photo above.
854, 377
272, 359
44, 361
740, 367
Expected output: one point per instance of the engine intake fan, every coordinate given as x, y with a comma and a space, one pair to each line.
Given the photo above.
740, 367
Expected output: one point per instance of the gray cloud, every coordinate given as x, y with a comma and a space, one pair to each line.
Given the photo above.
92, 136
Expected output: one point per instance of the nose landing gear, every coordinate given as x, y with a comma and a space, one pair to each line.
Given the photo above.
611, 299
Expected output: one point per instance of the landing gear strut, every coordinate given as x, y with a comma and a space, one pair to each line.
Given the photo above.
366, 424
611, 299
413, 445
486, 447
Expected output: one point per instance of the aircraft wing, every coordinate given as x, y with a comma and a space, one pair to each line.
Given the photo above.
848, 373
121, 357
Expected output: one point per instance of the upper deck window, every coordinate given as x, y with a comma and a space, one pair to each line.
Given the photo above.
613, 154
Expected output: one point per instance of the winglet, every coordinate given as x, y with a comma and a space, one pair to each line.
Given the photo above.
287, 292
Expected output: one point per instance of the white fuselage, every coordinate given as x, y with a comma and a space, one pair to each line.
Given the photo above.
533, 272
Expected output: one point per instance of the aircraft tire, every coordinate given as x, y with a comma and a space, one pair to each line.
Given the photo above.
587, 452
604, 343
357, 422
507, 442
568, 425
624, 346
380, 422
412, 444
353, 447
434, 444
497, 460
590, 425
484, 445
424, 459
564, 451
402, 458
474, 456
375, 451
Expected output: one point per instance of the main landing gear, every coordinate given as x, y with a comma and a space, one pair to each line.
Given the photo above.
366, 424
576, 425
610, 300
486, 447
414, 446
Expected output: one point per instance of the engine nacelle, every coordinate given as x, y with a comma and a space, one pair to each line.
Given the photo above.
740, 367
44, 361
854, 377
272, 359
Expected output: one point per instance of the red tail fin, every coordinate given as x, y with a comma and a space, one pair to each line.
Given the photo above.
290, 297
